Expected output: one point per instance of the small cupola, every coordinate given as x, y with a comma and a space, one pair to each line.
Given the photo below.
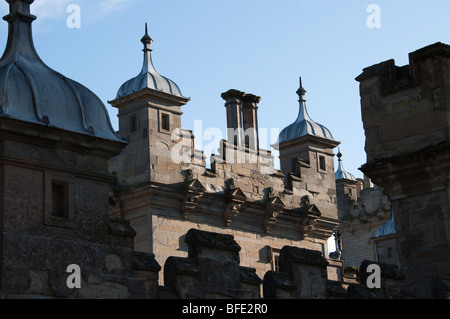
303, 125
149, 78
341, 173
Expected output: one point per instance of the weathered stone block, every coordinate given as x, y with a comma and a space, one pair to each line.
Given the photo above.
308, 270
203, 244
278, 285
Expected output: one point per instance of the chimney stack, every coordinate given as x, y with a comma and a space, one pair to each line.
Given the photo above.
233, 103
250, 121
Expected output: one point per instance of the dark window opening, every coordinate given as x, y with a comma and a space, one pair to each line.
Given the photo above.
60, 199
165, 123
133, 123
276, 262
294, 162
322, 163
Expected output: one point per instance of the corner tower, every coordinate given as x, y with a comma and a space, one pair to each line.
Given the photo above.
306, 158
307, 144
149, 110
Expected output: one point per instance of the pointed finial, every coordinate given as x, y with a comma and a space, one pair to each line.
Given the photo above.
301, 91
146, 39
339, 154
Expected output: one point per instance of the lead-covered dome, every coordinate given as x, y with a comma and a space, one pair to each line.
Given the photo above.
31, 91
303, 125
341, 173
148, 78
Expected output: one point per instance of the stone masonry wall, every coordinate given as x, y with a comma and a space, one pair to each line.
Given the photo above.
212, 270
405, 115
359, 221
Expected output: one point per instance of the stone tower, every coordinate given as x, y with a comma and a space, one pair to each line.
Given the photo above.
405, 115
149, 111
346, 185
306, 156
56, 139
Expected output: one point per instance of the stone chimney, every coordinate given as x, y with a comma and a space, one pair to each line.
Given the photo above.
250, 121
233, 103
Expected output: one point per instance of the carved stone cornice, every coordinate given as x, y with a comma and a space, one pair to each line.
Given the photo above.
274, 207
310, 216
412, 174
235, 199
193, 191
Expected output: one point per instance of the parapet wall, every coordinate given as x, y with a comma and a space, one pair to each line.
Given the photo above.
212, 270
404, 108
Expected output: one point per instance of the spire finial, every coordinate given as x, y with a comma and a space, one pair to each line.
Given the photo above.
301, 91
339, 154
146, 39
20, 36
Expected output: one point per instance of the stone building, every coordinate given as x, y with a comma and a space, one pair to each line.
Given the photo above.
75, 192
164, 187
56, 140
405, 116
366, 230
118, 205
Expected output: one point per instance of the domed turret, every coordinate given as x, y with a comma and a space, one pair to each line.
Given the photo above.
31, 91
341, 173
148, 77
303, 125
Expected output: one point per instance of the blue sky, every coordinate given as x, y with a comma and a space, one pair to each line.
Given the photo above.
260, 47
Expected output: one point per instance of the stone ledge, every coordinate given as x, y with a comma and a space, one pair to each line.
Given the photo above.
181, 266
302, 255
145, 261
278, 285
248, 275
121, 227
199, 238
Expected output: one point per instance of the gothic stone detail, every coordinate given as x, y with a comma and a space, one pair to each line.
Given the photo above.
235, 199
193, 192
274, 207
310, 216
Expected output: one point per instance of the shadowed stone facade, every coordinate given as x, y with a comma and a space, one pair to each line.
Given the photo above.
364, 212
164, 187
121, 204
55, 184
405, 115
